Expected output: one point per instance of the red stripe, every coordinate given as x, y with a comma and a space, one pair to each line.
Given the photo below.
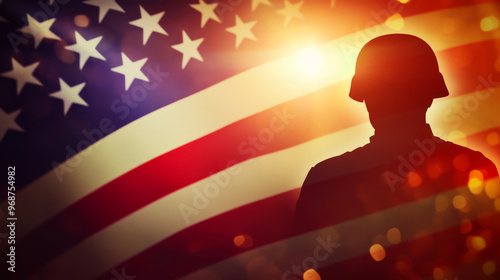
183, 166
266, 221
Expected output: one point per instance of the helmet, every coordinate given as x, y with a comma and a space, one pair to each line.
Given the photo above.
399, 67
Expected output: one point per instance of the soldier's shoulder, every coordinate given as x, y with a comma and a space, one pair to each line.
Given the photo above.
475, 158
344, 162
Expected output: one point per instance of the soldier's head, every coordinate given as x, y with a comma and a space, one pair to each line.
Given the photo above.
397, 73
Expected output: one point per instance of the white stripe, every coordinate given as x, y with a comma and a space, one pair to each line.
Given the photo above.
249, 181
244, 187
117, 153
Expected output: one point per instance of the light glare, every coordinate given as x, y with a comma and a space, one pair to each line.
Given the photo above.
310, 62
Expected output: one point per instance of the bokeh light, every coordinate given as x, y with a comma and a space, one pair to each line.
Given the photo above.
395, 22
403, 1
243, 241
63, 54
489, 23
492, 188
459, 201
394, 235
489, 268
441, 203
414, 179
475, 182
311, 274
438, 273
477, 243
377, 252
81, 20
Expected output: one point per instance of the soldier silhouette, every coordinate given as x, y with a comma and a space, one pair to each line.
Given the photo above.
397, 76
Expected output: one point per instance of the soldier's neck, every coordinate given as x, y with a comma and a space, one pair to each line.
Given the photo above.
405, 125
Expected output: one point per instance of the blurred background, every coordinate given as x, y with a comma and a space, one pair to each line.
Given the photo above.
166, 139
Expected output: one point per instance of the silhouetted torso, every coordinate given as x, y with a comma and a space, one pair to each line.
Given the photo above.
375, 177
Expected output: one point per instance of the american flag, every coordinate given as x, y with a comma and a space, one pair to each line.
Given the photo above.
160, 139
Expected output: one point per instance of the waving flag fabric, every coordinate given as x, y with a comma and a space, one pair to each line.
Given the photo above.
169, 139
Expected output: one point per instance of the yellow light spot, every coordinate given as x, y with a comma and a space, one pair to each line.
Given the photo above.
438, 273
394, 235
457, 137
81, 20
492, 188
395, 22
476, 174
311, 274
478, 243
414, 180
489, 268
403, 1
441, 203
493, 139
497, 204
465, 226
310, 62
459, 201
377, 252
476, 181
489, 23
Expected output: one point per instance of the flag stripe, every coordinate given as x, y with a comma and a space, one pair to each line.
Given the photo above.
93, 213
255, 96
271, 213
242, 189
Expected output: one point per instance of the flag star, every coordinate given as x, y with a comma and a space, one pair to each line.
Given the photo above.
86, 48
149, 24
207, 11
39, 30
131, 70
7, 121
104, 7
242, 30
22, 74
188, 48
255, 3
291, 11
69, 95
